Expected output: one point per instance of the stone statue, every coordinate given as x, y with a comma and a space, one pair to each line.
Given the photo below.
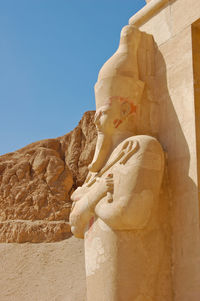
115, 211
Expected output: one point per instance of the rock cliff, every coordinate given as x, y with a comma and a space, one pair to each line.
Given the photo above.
36, 183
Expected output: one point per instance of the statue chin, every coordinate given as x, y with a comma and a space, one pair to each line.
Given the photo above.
102, 152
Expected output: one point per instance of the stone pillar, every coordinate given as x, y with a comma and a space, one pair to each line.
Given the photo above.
174, 25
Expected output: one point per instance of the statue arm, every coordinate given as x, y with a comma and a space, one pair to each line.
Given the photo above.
136, 187
85, 199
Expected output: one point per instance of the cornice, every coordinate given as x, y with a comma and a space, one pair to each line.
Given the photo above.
148, 11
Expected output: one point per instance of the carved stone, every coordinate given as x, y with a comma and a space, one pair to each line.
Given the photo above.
116, 210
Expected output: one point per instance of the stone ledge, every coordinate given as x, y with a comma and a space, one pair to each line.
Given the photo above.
147, 12
21, 231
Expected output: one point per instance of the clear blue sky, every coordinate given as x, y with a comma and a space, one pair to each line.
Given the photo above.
50, 55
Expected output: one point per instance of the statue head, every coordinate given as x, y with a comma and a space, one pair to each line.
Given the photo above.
118, 94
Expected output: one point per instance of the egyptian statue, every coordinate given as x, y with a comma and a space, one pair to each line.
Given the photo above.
116, 210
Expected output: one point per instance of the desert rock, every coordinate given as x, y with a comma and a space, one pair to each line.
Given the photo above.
36, 183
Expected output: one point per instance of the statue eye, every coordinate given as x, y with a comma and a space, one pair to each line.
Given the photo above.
104, 112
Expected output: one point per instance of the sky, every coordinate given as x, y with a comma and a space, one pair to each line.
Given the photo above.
50, 54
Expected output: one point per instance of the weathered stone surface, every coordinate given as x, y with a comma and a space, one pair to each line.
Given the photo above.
43, 272
36, 182
175, 29
121, 210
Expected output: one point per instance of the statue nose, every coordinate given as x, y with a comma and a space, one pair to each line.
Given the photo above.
97, 118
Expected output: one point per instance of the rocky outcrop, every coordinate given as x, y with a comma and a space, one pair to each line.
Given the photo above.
36, 183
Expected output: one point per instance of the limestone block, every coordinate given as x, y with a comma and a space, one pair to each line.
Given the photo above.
186, 247
160, 26
155, 17
183, 14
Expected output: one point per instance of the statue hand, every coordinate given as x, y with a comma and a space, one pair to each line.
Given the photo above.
106, 185
78, 193
109, 183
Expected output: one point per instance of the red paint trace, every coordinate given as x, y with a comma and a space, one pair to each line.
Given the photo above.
117, 122
91, 222
124, 100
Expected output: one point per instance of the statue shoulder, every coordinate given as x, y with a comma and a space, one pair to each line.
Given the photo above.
148, 143
137, 178
142, 149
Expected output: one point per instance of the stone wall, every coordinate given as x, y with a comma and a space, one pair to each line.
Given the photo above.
170, 22
43, 272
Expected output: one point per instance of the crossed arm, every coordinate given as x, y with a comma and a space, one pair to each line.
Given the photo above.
130, 208
135, 188
85, 200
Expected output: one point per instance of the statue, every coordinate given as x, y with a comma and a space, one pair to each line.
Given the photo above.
115, 211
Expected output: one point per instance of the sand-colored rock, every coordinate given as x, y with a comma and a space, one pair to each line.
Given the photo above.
36, 182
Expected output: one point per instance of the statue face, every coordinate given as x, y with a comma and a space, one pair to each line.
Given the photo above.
105, 122
110, 120
109, 117
104, 119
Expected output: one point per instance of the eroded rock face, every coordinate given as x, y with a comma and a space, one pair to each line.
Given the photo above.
36, 183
